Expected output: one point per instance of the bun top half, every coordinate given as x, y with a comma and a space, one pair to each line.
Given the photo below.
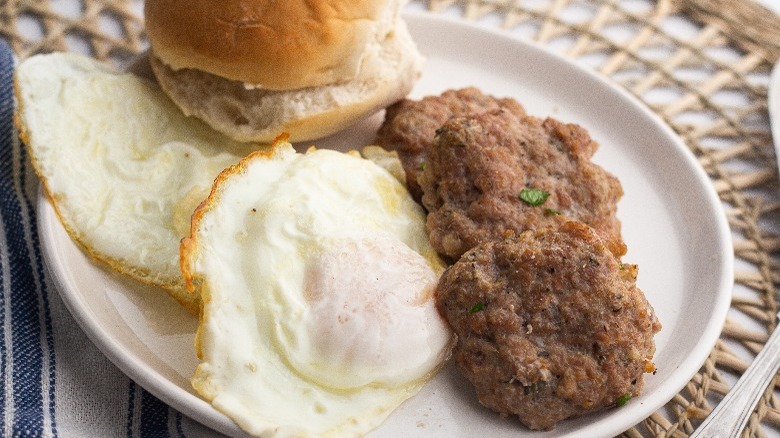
270, 44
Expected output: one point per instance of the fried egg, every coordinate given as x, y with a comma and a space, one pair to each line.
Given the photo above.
317, 283
122, 165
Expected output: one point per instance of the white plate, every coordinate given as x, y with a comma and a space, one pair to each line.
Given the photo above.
673, 225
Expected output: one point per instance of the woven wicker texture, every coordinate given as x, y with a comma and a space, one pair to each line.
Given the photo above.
702, 65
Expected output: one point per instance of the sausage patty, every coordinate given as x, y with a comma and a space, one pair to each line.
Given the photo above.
494, 172
550, 325
410, 125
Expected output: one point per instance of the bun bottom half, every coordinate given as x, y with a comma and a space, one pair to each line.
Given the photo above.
251, 114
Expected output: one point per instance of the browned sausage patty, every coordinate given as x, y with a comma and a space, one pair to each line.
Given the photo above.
550, 325
480, 166
410, 125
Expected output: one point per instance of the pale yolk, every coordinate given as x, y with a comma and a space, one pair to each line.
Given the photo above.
372, 319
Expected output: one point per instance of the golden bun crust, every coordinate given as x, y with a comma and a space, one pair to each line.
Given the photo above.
271, 44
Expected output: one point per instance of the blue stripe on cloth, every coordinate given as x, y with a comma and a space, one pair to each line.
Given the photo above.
154, 417
130, 409
152, 420
179, 425
32, 351
27, 351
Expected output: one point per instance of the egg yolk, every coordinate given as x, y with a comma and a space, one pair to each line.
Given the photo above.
371, 317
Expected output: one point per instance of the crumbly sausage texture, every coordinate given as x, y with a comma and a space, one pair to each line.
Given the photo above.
410, 125
478, 165
550, 325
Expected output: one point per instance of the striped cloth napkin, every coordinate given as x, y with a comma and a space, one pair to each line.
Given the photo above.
55, 381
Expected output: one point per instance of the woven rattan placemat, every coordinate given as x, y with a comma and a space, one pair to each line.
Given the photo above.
702, 65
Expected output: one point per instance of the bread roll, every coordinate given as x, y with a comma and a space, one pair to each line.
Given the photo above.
253, 69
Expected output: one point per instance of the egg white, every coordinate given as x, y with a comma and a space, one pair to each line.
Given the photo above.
317, 278
122, 165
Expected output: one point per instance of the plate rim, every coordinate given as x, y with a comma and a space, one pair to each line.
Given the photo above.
201, 411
